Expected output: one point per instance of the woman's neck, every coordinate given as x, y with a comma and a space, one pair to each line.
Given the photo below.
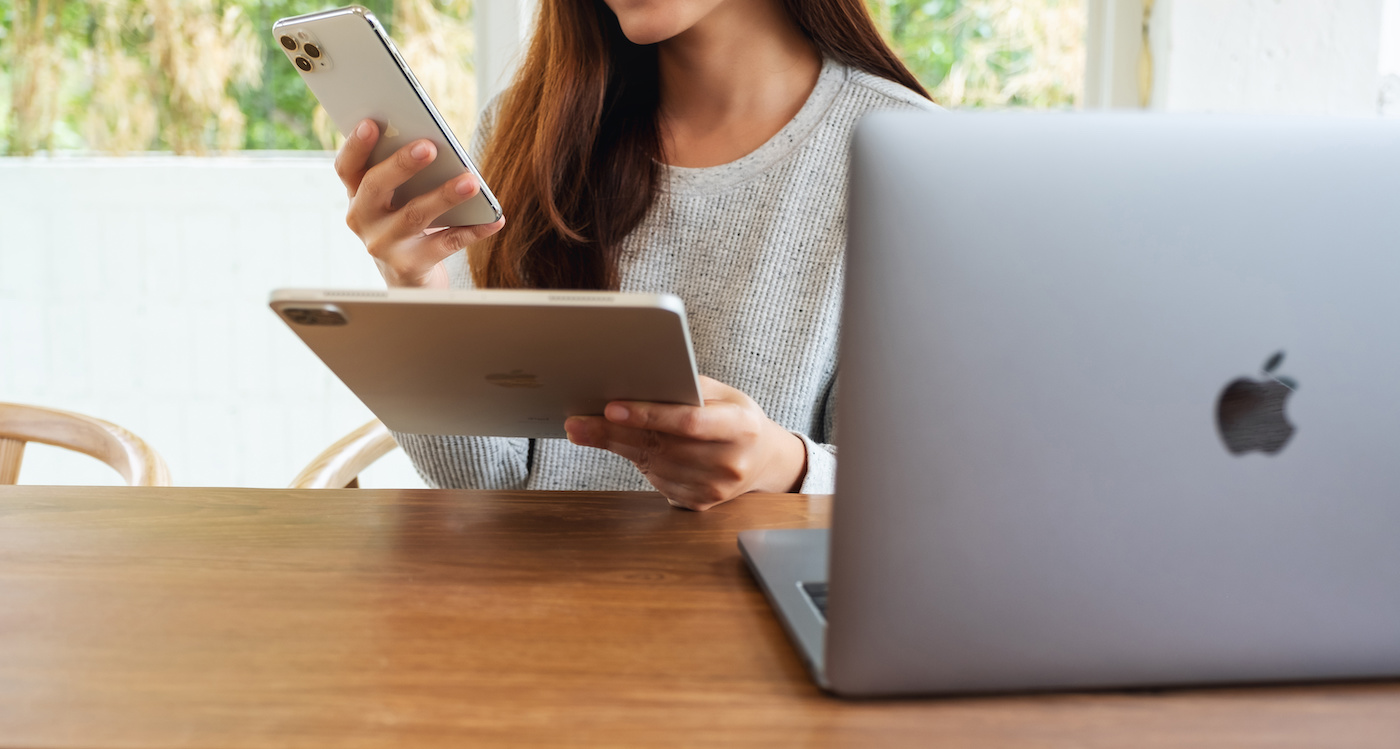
732, 81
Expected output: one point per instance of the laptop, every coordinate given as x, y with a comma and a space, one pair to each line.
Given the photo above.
1118, 408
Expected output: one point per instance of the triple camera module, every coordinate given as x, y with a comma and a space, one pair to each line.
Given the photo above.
325, 314
305, 52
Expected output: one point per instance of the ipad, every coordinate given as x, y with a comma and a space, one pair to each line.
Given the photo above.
501, 363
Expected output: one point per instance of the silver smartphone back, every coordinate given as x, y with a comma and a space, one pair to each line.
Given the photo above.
353, 68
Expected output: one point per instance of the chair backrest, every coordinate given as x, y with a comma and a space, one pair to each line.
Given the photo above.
109, 443
340, 465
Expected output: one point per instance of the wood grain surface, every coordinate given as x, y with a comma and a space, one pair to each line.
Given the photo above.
326, 618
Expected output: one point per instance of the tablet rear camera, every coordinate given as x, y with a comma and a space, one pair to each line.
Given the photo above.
327, 315
312, 51
304, 64
288, 42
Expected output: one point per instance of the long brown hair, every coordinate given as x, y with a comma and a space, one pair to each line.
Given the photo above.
575, 147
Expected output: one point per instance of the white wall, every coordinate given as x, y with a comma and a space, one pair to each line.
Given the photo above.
1267, 56
501, 28
1390, 59
135, 290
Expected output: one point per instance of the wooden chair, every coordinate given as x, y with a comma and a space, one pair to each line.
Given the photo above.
340, 465
109, 443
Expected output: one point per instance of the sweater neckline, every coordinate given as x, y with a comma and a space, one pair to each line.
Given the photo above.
681, 179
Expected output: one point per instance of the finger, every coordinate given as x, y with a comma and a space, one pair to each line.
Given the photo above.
382, 179
681, 495
636, 445
689, 496
448, 241
354, 155
713, 422
416, 214
585, 431
655, 455
442, 243
685, 483
642, 448
712, 389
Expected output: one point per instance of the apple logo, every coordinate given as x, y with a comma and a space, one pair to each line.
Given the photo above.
1250, 412
516, 378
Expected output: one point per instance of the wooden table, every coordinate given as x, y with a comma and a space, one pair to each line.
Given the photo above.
231, 618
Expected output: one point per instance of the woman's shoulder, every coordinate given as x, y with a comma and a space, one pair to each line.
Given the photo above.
870, 92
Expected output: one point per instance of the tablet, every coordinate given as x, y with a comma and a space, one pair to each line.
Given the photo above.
502, 363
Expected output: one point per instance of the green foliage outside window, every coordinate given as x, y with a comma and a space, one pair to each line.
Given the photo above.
990, 53
194, 76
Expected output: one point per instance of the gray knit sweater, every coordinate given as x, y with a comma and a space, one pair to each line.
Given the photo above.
755, 250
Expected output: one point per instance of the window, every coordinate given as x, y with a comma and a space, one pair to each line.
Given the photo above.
197, 75
991, 53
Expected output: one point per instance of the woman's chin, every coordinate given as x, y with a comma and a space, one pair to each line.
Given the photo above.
649, 31
653, 21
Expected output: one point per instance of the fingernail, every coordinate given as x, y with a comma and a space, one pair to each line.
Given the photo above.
578, 431
616, 412
362, 131
466, 185
420, 151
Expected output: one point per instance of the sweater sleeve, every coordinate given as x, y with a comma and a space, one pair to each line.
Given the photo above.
821, 467
455, 462
821, 455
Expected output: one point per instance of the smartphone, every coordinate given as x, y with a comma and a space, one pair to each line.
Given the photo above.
356, 72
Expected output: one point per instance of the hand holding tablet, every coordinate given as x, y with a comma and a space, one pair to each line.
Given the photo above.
501, 363
699, 456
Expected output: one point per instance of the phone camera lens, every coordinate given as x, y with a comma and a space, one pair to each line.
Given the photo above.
312, 51
304, 64
288, 42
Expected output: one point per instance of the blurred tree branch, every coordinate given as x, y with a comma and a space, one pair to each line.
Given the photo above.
193, 76
34, 64
990, 53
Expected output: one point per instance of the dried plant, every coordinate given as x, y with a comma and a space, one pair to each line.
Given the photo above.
324, 130
437, 42
35, 61
147, 70
122, 115
992, 52
199, 52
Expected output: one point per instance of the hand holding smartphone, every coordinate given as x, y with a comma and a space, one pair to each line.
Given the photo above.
353, 68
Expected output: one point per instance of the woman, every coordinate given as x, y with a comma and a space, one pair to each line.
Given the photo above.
697, 147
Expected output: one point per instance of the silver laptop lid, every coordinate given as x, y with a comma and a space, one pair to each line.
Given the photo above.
1043, 313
